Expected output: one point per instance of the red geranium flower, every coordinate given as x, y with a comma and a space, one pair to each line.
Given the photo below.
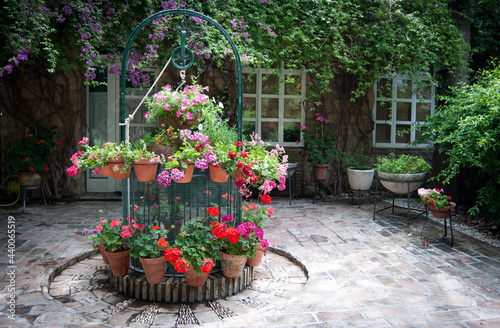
213, 211
266, 199
181, 265
172, 254
219, 230
207, 266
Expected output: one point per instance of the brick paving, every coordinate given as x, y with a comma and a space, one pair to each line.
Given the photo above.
360, 273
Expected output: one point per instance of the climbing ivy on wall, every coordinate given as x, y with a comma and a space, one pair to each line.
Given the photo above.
367, 38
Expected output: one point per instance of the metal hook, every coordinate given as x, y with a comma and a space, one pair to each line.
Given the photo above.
182, 74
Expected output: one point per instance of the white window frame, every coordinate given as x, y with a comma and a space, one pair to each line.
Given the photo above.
258, 120
393, 122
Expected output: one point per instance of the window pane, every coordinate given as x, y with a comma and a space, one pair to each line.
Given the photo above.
295, 87
418, 133
270, 131
270, 84
383, 134
291, 132
384, 88
292, 108
402, 136
247, 128
270, 108
426, 93
403, 112
404, 89
249, 83
422, 111
383, 110
249, 107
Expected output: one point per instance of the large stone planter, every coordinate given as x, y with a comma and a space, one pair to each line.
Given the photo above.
401, 183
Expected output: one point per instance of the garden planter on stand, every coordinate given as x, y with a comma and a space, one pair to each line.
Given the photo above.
232, 265
401, 183
218, 174
442, 213
255, 261
30, 179
145, 169
102, 249
154, 269
320, 171
119, 262
194, 279
116, 166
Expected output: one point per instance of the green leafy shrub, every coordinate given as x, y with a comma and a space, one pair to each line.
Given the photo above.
404, 164
467, 130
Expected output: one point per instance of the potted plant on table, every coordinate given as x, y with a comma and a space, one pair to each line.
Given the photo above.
359, 171
195, 252
319, 146
149, 246
439, 203
28, 156
402, 174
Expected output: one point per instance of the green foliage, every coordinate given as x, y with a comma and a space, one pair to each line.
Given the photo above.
30, 153
467, 130
366, 38
404, 164
358, 160
197, 243
319, 144
149, 242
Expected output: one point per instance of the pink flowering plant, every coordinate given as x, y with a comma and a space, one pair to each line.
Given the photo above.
186, 104
319, 143
90, 157
259, 166
114, 234
434, 198
256, 215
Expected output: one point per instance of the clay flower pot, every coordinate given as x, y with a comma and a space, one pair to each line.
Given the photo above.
320, 171
232, 265
218, 174
106, 171
442, 213
195, 280
255, 261
119, 262
102, 249
116, 166
145, 169
154, 269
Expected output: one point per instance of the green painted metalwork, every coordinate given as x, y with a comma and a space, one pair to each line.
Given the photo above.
185, 12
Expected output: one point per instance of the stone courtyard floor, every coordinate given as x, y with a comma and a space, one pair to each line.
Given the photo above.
331, 266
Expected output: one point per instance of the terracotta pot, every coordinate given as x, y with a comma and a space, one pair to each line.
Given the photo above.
188, 173
30, 179
102, 249
116, 166
119, 262
106, 171
145, 169
218, 174
180, 123
320, 171
154, 269
255, 261
442, 213
160, 150
195, 280
232, 265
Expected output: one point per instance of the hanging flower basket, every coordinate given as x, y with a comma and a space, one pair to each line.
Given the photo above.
145, 169
218, 174
180, 123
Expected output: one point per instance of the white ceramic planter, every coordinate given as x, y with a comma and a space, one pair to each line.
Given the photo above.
360, 179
